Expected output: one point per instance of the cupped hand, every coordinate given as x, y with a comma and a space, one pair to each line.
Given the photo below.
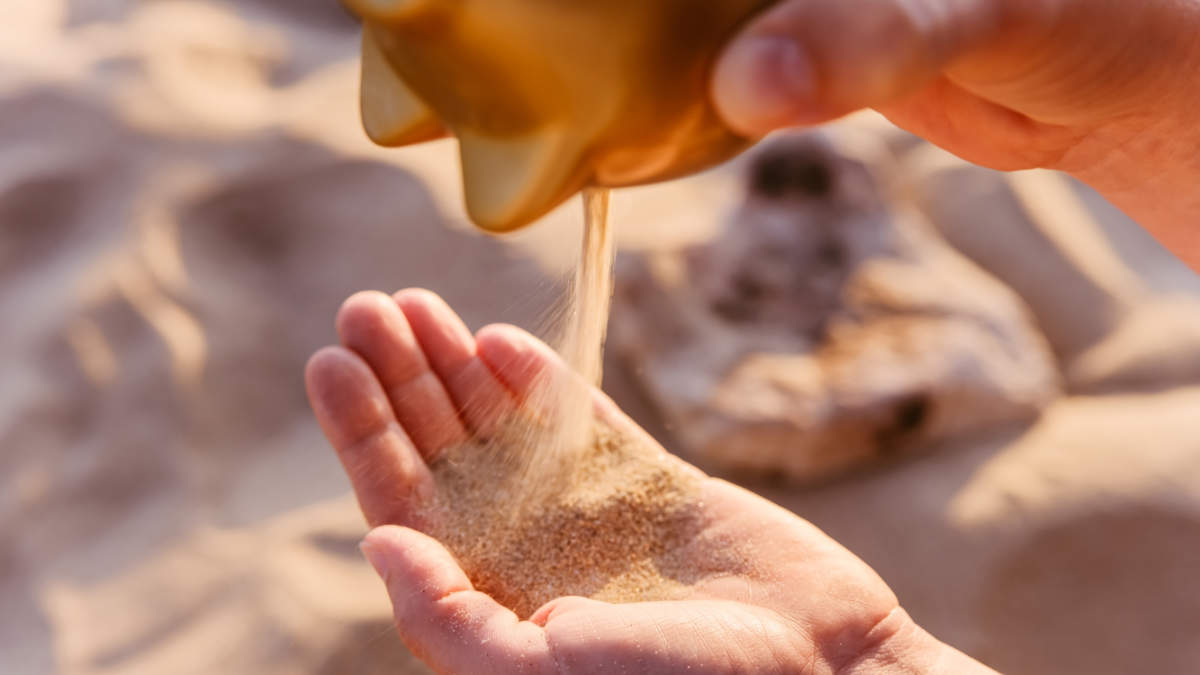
408, 381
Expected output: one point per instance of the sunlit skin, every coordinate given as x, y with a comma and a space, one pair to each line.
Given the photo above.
388, 399
1104, 89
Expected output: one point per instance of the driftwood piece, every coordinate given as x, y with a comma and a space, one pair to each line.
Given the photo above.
823, 329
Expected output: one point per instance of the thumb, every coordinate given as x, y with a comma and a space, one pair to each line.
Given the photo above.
809, 61
442, 619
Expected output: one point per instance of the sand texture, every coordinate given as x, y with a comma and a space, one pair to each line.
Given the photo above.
185, 200
617, 524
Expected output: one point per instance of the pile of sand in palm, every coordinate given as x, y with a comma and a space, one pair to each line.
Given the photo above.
574, 507
617, 520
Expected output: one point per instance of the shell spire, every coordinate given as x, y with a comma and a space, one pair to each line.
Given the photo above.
547, 98
392, 113
388, 11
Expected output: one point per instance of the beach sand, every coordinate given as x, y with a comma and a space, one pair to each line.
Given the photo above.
186, 198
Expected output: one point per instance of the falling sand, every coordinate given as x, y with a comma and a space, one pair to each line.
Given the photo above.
588, 317
565, 504
581, 344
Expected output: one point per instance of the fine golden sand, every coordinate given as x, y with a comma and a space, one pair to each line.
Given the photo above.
618, 522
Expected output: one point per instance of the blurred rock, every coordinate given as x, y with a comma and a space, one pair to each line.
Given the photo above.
824, 329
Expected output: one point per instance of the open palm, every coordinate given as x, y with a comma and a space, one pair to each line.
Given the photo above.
407, 382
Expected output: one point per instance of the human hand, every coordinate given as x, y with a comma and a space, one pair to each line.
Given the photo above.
390, 398
1107, 91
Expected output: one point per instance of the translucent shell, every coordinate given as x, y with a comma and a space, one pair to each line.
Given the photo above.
547, 97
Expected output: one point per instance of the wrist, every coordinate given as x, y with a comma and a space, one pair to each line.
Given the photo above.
1149, 167
1146, 159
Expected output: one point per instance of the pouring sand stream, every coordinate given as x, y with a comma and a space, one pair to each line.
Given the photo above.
586, 323
583, 347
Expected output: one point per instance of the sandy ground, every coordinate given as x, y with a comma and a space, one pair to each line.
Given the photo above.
185, 199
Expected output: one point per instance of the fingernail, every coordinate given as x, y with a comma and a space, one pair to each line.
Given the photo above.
763, 83
376, 557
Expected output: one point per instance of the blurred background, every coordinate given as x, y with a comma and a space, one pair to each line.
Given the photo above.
998, 376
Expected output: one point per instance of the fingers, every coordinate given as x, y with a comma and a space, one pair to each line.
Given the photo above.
451, 350
440, 616
372, 325
525, 365
531, 371
388, 475
808, 61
